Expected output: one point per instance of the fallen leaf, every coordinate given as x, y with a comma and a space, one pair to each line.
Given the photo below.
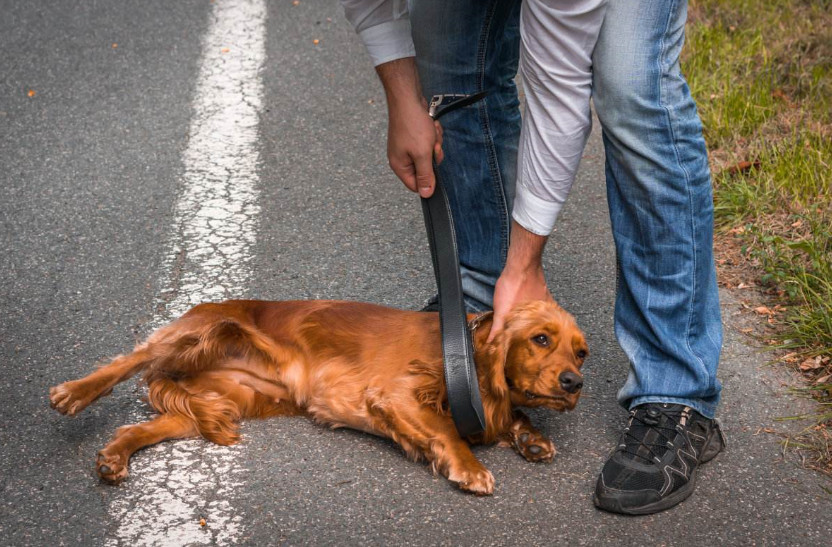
812, 363
790, 358
31, 93
746, 331
763, 310
779, 94
797, 224
823, 379
742, 167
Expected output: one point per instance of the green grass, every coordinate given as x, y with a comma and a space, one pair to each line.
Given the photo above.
761, 73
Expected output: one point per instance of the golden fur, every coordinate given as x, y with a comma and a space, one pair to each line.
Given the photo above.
345, 364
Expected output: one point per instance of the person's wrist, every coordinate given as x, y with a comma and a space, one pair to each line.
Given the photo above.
405, 105
525, 253
522, 274
401, 83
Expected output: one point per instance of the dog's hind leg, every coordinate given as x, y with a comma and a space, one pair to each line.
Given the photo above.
74, 396
112, 461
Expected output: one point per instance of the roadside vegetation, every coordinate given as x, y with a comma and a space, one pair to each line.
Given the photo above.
761, 73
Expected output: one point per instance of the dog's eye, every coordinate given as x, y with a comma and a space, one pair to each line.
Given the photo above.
541, 340
581, 354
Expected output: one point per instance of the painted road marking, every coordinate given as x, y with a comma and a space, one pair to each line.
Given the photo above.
174, 485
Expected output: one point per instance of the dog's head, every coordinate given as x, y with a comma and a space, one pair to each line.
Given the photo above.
542, 351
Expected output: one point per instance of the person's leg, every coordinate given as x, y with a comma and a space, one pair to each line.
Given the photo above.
467, 46
667, 316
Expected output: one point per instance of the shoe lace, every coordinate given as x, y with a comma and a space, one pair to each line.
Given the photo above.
636, 433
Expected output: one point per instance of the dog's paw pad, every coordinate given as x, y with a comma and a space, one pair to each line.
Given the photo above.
111, 469
535, 448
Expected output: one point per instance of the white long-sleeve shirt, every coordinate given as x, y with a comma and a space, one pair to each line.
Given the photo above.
557, 39
384, 27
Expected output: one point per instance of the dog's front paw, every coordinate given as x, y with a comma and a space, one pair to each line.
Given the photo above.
111, 468
534, 447
479, 482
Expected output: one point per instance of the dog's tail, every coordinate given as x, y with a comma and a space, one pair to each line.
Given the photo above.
214, 415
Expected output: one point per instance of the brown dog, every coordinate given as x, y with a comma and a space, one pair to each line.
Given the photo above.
345, 364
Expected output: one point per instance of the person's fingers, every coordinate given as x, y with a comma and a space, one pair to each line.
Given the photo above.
438, 153
497, 325
424, 176
406, 173
503, 296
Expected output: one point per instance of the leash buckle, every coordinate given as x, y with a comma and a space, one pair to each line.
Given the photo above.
448, 102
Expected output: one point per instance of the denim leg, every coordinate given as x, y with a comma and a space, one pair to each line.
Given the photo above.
667, 317
466, 46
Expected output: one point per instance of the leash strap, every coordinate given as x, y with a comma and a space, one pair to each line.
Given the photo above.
457, 347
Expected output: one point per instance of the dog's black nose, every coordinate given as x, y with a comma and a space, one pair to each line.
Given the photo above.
571, 382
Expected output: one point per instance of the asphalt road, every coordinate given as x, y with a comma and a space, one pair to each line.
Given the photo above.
94, 167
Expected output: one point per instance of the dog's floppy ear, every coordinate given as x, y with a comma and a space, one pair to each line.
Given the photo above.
496, 352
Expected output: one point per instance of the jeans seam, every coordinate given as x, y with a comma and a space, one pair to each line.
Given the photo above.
670, 124
485, 125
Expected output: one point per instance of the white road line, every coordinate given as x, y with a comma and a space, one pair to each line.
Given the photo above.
174, 485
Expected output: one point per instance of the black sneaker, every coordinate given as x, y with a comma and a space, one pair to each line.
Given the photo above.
654, 465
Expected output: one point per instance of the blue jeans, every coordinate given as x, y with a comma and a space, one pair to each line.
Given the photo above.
466, 46
667, 317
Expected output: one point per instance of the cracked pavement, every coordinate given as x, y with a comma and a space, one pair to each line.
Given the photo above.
108, 230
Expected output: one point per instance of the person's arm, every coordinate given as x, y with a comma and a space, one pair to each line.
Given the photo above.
522, 278
413, 138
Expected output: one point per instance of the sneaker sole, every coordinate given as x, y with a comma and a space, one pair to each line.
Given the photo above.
613, 504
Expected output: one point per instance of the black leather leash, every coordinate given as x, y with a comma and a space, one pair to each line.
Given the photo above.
457, 347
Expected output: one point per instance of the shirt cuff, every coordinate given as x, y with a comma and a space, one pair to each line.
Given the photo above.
533, 213
388, 41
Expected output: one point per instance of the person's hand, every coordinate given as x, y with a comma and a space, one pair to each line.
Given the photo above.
522, 278
413, 141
